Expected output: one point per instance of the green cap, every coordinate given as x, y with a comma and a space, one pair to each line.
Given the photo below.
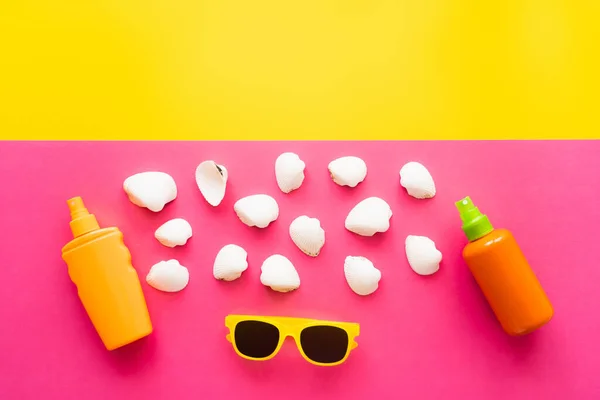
475, 224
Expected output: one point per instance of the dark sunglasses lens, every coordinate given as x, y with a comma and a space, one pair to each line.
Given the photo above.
324, 344
256, 339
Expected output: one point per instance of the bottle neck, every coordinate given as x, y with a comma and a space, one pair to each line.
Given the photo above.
477, 228
83, 225
82, 221
475, 224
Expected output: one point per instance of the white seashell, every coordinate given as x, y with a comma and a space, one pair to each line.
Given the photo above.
361, 275
175, 232
417, 180
348, 171
308, 235
150, 189
368, 217
289, 172
257, 210
279, 274
424, 258
168, 276
211, 179
230, 262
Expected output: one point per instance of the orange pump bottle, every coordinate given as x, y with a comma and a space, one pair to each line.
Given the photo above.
503, 273
99, 265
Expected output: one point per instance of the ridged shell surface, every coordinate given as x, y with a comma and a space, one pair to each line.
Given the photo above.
308, 235
417, 180
152, 189
289, 171
279, 274
423, 257
361, 275
368, 217
175, 232
168, 276
230, 262
348, 171
257, 210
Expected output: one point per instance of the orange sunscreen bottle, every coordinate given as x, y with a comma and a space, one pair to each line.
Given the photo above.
100, 266
503, 274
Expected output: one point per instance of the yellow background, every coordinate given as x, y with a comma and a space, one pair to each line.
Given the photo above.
299, 69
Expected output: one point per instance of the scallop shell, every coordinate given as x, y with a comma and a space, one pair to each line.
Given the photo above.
308, 235
348, 171
151, 190
230, 262
368, 217
424, 258
279, 274
175, 232
257, 210
417, 180
361, 275
289, 172
211, 179
168, 276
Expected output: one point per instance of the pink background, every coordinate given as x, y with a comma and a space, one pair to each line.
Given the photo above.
422, 337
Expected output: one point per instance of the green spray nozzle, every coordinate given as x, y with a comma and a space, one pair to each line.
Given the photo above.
475, 224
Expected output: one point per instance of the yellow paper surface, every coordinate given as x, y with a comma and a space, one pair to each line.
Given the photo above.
311, 69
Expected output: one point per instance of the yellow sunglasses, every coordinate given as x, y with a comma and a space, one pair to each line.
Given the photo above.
324, 343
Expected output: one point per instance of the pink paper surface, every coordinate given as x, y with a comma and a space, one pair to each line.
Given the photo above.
421, 337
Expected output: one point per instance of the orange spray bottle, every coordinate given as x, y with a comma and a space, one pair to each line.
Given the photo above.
503, 273
99, 265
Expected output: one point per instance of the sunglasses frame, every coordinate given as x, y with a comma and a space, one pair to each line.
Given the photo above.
292, 327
